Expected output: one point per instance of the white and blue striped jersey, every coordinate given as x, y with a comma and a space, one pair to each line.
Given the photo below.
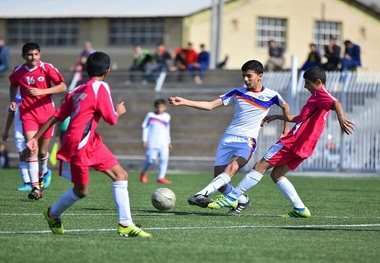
250, 109
156, 130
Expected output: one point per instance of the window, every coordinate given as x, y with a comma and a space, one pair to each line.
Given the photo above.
271, 28
45, 32
322, 32
131, 31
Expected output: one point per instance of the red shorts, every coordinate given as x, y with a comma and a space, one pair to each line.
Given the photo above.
279, 154
29, 123
78, 174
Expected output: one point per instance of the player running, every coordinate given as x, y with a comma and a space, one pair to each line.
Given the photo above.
34, 79
295, 147
238, 143
14, 117
82, 147
156, 141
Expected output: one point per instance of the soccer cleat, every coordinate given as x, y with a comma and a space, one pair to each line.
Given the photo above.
164, 181
47, 178
240, 207
143, 178
35, 194
132, 231
223, 201
25, 187
55, 224
298, 214
200, 200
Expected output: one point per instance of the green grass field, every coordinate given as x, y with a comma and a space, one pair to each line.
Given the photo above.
345, 224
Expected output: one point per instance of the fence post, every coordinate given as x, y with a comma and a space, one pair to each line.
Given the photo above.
346, 78
293, 87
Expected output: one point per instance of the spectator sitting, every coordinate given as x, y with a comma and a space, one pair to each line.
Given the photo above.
313, 59
4, 158
201, 65
4, 57
140, 59
183, 57
332, 53
191, 56
351, 59
162, 59
276, 57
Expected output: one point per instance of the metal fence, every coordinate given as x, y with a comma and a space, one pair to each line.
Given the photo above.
359, 94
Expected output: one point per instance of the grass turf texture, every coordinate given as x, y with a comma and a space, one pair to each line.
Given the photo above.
345, 224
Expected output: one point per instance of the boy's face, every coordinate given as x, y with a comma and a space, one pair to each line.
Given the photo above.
32, 57
160, 108
252, 79
312, 86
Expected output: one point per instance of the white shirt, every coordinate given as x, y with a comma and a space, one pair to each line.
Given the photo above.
250, 109
156, 130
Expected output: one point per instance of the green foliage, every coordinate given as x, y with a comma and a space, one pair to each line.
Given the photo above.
344, 227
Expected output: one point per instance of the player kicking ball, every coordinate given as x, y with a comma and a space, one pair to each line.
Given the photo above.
238, 143
82, 147
299, 144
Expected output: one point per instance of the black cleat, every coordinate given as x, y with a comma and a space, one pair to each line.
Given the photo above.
239, 208
35, 194
200, 200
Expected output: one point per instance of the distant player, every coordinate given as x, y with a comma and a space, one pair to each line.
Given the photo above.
296, 146
83, 148
35, 80
156, 141
238, 143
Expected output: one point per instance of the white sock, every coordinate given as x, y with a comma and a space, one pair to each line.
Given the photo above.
250, 180
24, 172
121, 198
288, 190
64, 202
32, 164
219, 181
243, 199
42, 164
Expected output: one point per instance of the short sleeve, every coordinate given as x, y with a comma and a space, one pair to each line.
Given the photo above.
229, 97
54, 75
324, 99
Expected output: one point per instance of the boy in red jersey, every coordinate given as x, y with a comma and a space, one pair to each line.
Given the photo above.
82, 147
34, 79
296, 146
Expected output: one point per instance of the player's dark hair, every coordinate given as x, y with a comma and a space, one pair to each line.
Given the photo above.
30, 46
315, 73
97, 64
159, 102
254, 65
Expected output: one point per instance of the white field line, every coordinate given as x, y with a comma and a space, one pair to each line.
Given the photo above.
174, 214
203, 228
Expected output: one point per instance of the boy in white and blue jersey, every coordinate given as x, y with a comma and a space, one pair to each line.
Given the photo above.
156, 141
238, 143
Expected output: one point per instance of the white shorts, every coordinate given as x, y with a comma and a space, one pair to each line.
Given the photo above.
233, 145
18, 132
153, 153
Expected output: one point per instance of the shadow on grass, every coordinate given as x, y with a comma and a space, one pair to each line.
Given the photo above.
180, 213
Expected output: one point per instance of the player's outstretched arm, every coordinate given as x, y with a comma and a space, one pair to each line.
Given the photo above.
201, 105
346, 126
32, 144
286, 112
287, 118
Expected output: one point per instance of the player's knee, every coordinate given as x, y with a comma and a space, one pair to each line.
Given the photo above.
121, 175
81, 191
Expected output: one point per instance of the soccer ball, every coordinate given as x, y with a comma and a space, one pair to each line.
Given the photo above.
163, 199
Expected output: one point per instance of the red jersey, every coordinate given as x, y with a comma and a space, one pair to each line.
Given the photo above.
191, 56
303, 138
41, 77
85, 105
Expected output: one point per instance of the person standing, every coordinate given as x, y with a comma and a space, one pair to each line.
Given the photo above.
156, 141
35, 78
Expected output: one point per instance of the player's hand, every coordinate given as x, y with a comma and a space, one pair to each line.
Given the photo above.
176, 101
144, 145
35, 92
32, 145
346, 126
267, 119
120, 108
170, 147
5, 136
12, 106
